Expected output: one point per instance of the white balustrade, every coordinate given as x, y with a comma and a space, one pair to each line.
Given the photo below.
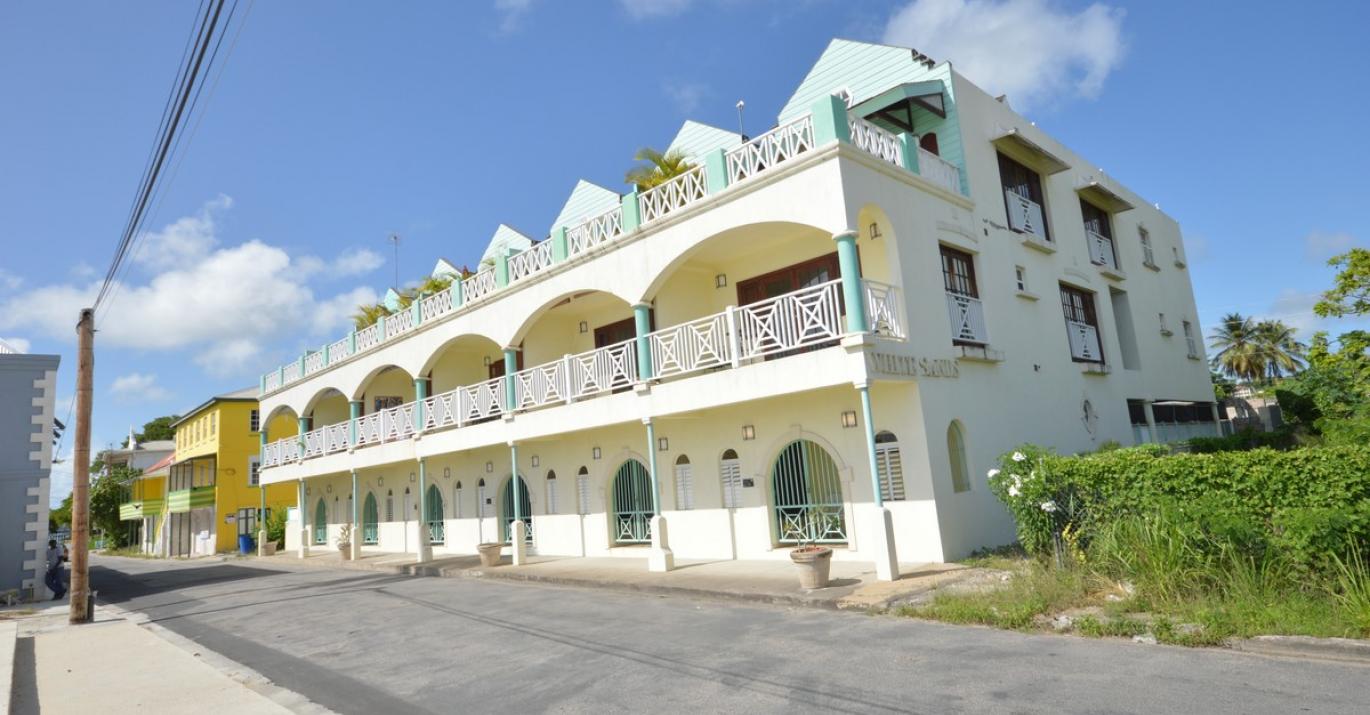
271, 381
437, 305
804, 317
595, 231
536, 258
441, 411
967, 316
942, 172
1084, 341
479, 285
369, 429
340, 350
1100, 249
291, 372
541, 385
480, 401
399, 323
875, 140
696, 345
1024, 214
398, 422
313, 362
770, 149
604, 369
369, 337
313, 443
677, 193
884, 309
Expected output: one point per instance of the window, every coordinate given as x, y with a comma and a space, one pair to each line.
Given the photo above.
730, 474
956, 451
1148, 255
457, 500
963, 301
1175, 250
1020, 278
254, 477
480, 499
1189, 339
889, 467
551, 492
390, 506
684, 484
254, 421
1082, 325
1099, 235
385, 402
1165, 327
1023, 198
1127, 335
213, 422
958, 272
788, 279
247, 521
583, 490
928, 143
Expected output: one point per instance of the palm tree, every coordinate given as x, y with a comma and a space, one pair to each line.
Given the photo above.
368, 314
659, 168
429, 286
1277, 348
1236, 352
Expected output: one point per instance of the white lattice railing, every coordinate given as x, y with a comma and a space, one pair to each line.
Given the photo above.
399, 323
1100, 249
480, 401
369, 429
595, 231
808, 316
271, 380
604, 369
772, 148
437, 305
369, 337
939, 171
1084, 341
875, 140
314, 442
542, 385
884, 309
696, 345
339, 350
313, 362
478, 286
336, 437
291, 372
967, 316
281, 451
536, 258
677, 193
1024, 214
440, 410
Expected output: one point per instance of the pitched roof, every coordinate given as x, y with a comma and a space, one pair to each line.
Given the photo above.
586, 201
696, 139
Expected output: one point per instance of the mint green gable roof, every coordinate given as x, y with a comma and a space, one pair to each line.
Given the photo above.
862, 68
586, 200
444, 268
695, 140
392, 300
504, 240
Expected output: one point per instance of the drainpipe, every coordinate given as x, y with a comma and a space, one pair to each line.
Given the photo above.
869, 419
850, 264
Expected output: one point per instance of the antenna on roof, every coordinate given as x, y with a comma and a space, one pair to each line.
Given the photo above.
740, 130
394, 239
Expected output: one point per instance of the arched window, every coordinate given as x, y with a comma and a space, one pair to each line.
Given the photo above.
456, 500
480, 499
956, 451
889, 466
807, 491
632, 504
320, 523
684, 484
583, 490
730, 474
370, 527
390, 505
928, 143
437, 532
551, 492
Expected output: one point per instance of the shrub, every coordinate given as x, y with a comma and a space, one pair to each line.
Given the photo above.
1245, 439
275, 526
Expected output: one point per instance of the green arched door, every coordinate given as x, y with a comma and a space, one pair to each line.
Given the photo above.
506, 510
320, 523
632, 504
433, 505
807, 493
370, 520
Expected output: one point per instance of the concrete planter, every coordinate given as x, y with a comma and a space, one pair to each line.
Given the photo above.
268, 548
814, 563
490, 554
345, 550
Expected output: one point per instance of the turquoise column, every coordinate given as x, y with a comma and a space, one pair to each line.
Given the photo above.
715, 171
830, 121
908, 148
516, 488
261, 389
850, 264
632, 216
325, 352
868, 416
651, 467
420, 394
457, 295
502, 270
354, 413
642, 319
352, 341
511, 366
302, 424
560, 249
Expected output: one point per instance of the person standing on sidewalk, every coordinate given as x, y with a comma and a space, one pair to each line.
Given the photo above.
54, 578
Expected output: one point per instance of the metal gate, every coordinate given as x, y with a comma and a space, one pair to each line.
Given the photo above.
807, 491
370, 520
506, 510
321, 523
632, 504
433, 503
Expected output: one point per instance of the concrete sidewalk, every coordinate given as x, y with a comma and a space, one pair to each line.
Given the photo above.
853, 583
113, 665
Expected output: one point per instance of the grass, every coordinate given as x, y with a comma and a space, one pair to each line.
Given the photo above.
127, 552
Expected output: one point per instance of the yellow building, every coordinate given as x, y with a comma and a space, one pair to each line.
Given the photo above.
213, 494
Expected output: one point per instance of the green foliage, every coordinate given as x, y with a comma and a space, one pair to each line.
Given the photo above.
107, 492
1332, 397
159, 428
1350, 294
1352, 590
275, 526
61, 516
658, 169
1243, 440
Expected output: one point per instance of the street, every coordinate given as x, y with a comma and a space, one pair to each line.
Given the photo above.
361, 642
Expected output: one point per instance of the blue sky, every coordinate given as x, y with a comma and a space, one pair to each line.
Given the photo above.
335, 124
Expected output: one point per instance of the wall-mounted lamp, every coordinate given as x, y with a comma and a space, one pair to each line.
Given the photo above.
849, 418
663, 444
411, 476
489, 467
875, 231
536, 461
748, 432
584, 327
446, 472
487, 361
380, 481
329, 489
308, 491
721, 280
595, 453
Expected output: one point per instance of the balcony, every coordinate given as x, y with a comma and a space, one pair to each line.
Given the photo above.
1025, 215
894, 149
785, 325
1102, 255
139, 509
967, 319
183, 500
1084, 342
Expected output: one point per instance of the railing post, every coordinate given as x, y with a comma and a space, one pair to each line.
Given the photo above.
457, 295
281, 380
417, 307
262, 388
830, 121
302, 424
642, 319
632, 214
352, 342
325, 350
420, 394
560, 250
566, 376
302, 357
354, 411
715, 171
380, 329
908, 149
510, 367
502, 268
734, 339
849, 263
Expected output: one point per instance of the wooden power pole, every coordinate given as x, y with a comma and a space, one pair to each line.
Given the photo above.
80, 468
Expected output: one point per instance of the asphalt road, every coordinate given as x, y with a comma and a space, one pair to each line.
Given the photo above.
372, 643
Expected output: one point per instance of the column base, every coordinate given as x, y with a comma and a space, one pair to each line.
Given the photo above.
518, 547
886, 560
660, 559
355, 548
424, 551
304, 542
261, 543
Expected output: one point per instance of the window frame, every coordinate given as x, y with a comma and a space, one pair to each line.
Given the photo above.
1027, 178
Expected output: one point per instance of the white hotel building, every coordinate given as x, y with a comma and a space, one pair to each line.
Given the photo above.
826, 333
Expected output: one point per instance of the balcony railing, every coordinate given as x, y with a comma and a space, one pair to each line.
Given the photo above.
1100, 249
1025, 215
781, 325
677, 193
1084, 341
967, 319
939, 171
478, 286
875, 140
595, 231
778, 145
522, 265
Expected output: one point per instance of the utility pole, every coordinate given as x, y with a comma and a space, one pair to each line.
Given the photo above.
80, 468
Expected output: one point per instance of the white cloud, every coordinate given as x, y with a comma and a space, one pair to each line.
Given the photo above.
686, 95
138, 387
184, 241
228, 303
82, 271
643, 9
19, 344
9, 281
356, 262
1032, 50
1320, 246
511, 14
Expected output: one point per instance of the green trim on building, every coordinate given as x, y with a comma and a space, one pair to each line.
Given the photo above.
183, 500
140, 509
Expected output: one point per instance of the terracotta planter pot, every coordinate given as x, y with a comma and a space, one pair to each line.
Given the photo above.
269, 548
814, 563
490, 554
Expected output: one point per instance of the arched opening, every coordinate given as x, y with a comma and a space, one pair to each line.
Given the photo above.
632, 504
384, 388
928, 143
283, 422
506, 510
551, 491
370, 520
889, 466
684, 484
328, 407
457, 500
596, 326
583, 490
320, 522
956, 453
462, 361
730, 478
437, 532
807, 491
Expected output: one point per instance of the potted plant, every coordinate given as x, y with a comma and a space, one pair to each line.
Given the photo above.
275, 532
345, 541
489, 553
814, 562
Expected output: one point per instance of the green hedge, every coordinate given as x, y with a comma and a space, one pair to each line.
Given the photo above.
1307, 503
1245, 439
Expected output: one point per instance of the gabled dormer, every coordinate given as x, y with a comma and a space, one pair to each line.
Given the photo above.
586, 201
506, 240
695, 140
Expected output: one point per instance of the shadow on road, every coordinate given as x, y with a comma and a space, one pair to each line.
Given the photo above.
117, 586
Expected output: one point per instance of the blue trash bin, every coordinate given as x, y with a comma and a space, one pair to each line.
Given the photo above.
245, 544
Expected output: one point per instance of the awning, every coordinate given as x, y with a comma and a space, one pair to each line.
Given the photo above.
895, 106
161, 468
1105, 198
1171, 403
1020, 147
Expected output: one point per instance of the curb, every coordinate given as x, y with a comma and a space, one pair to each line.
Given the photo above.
1344, 650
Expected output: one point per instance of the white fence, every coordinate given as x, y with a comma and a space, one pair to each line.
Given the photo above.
679, 192
1024, 215
774, 147
875, 140
1100, 249
536, 258
940, 171
1084, 341
967, 318
595, 231
478, 286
